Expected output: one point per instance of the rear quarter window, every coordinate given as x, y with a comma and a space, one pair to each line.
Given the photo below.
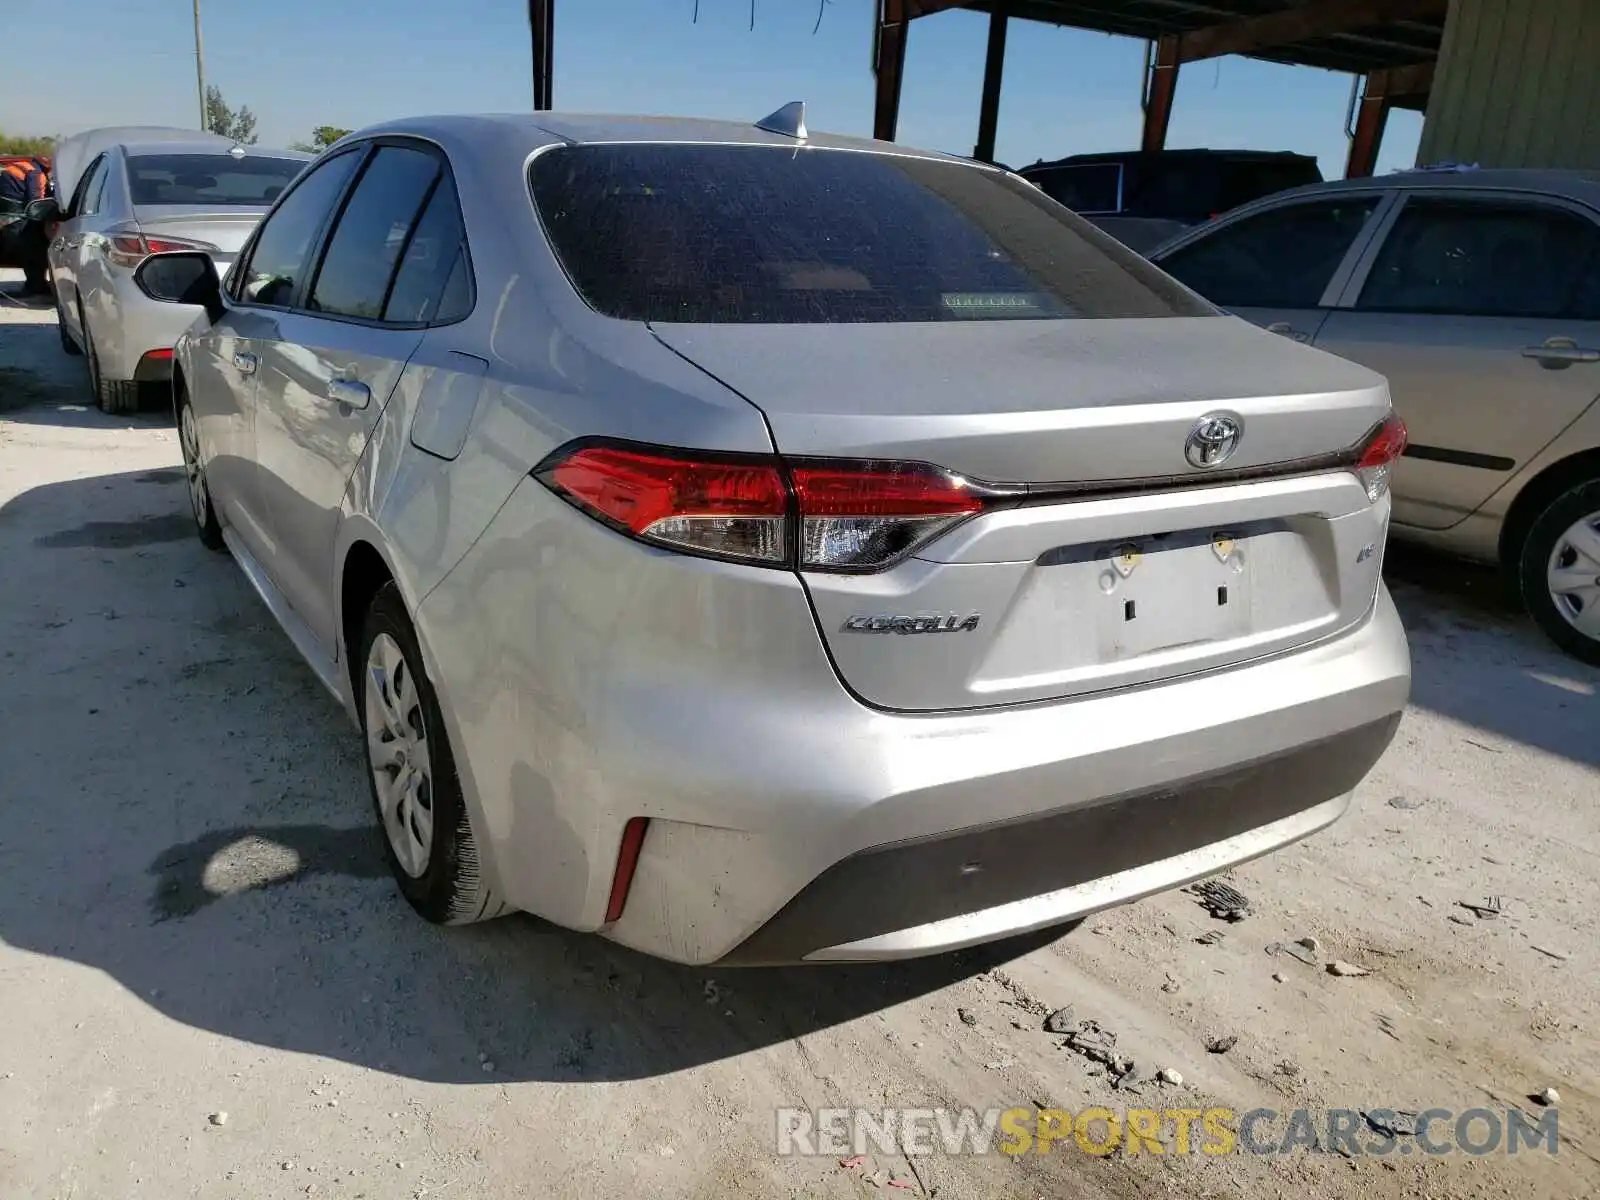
758, 234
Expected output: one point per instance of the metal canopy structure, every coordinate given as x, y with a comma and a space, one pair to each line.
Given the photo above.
1392, 43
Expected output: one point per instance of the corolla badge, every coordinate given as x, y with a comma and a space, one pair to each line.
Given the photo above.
1213, 439
887, 623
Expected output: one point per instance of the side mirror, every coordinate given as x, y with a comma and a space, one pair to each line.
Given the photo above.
42, 211
182, 277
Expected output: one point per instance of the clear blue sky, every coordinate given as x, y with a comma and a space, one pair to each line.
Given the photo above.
302, 63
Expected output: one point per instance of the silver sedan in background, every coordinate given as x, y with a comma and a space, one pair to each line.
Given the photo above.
1477, 295
134, 198
757, 546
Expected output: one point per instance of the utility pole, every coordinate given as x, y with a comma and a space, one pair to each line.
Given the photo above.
200, 68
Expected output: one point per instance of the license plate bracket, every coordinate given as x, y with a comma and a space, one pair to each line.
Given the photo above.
1168, 592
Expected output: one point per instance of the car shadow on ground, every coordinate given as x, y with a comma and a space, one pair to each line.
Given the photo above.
185, 810
1479, 659
41, 385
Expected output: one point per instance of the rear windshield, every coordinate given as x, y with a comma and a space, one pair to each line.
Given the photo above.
742, 234
208, 178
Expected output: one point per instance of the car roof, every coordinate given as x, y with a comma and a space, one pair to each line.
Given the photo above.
532, 130
1583, 186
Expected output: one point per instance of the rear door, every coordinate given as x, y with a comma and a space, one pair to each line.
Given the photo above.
328, 370
1279, 267
1483, 310
68, 249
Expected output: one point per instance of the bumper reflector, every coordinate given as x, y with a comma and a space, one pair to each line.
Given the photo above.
627, 860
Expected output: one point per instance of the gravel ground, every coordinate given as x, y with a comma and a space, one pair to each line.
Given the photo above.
195, 922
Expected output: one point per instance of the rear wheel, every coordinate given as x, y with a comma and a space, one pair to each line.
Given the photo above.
428, 838
115, 396
205, 514
1560, 571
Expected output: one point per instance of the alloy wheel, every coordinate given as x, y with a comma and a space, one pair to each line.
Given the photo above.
1573, 575
397, 752
188, 439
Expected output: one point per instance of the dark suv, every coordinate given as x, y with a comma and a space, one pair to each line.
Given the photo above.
1142, 199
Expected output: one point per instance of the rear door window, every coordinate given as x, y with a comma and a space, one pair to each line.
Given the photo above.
89, 188
433, 283
746, 234
373, 231
1282, 258
1483, 258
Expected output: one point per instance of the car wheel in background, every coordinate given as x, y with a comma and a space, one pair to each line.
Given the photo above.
67, 344
194, 471
111, 395
1560, 571
428, 838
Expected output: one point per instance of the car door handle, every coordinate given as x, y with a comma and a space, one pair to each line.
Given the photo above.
245, 364
1557, 354
350, 392
1288, 331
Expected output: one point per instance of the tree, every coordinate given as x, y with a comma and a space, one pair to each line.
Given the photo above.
238, 124
13, 143
322, 137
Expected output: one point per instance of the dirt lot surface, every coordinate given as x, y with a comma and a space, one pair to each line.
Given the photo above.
210, 988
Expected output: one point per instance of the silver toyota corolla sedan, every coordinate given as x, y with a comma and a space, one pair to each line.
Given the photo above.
140, 192
760, 547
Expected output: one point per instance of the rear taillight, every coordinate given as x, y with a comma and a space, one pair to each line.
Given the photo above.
727, 507
1377, 455
811, 514
856, 516
131, 249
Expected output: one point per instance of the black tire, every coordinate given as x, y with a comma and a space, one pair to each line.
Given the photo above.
1547, 532
204, 511
114, 396
67, 344
450, 889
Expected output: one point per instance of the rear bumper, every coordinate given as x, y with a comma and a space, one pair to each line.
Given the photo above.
790, 821
961, 830
944, 892
127, 325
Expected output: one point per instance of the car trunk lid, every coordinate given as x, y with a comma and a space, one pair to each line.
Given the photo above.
226, 229
1122, 563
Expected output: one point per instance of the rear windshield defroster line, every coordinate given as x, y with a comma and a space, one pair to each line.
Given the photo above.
757, 234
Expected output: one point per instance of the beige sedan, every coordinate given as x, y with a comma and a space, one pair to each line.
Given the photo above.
1478, 294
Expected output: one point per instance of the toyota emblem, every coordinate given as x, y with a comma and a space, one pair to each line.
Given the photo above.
1213, 439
